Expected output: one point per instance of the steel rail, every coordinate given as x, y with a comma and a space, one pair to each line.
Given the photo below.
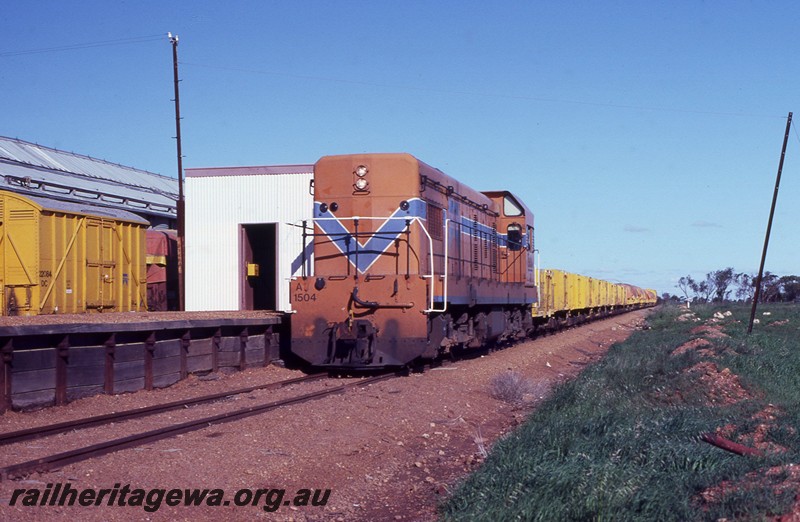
62, 427
51, 462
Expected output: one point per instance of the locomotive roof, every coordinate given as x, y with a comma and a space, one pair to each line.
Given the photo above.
501, 193
434, 174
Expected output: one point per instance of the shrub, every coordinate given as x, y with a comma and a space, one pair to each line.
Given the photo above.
510, 387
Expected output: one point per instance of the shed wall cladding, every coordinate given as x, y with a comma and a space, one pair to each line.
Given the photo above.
218, 202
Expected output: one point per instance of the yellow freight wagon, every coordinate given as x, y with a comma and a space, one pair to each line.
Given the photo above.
566, 299
552, 293
640, 296
578, 297
601, 294
61, 257
621, 294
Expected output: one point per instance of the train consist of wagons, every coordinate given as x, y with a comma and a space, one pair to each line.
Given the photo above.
409, 264
400, 263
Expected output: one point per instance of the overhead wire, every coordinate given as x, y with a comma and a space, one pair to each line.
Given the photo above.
473, 93
796, 135
87, 45
154, 37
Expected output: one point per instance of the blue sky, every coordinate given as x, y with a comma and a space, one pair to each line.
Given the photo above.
645, 136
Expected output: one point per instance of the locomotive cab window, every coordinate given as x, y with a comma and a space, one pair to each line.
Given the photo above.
514, 237
510, 207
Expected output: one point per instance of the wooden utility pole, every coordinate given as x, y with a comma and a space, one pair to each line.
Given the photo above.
757, 294
180, 205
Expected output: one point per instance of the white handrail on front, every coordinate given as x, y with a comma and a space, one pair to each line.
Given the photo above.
412, 219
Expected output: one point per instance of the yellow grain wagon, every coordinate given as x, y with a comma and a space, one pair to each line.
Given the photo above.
552, 293
565, 298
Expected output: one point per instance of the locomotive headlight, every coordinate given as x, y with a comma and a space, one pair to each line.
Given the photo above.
361, 171
361, 184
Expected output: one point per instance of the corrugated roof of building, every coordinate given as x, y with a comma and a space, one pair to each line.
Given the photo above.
34, 169
69, 207
263, 170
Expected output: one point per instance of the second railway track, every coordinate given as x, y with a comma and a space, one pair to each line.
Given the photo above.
59, 460
98, 420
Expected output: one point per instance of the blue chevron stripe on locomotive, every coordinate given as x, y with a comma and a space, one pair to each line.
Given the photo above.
389, 231
378, 242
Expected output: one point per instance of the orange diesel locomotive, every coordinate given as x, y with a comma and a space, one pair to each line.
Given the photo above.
403, 262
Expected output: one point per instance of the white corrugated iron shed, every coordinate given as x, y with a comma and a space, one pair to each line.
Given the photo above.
235, 214
31, 169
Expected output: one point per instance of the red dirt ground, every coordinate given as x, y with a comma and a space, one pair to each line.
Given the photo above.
722, 387
390, 451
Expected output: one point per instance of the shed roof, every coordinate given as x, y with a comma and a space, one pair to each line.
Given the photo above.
34, 169
68, 207
263, 170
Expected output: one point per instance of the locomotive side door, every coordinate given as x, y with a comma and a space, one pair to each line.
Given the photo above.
530, 273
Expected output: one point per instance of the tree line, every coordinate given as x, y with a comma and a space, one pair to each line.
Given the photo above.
728, 285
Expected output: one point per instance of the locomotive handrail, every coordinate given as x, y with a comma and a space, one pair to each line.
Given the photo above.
433, 280
432, 276
375, 304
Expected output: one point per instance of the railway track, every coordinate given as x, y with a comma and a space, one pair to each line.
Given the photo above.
59, 460
56, 461
62, 427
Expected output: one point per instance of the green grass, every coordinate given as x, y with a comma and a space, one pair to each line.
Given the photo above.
621, 442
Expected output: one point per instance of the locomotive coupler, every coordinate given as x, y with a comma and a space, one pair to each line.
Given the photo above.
355, 341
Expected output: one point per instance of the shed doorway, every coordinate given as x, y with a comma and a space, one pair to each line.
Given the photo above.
258, 266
